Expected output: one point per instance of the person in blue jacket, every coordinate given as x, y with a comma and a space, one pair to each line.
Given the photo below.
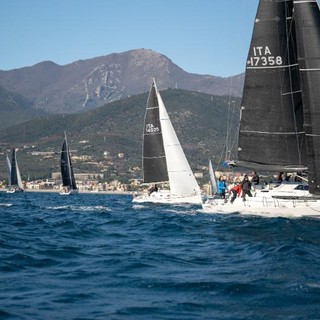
222, 186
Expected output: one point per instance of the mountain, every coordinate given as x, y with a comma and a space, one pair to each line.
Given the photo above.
15, 109
87, 84
200, 120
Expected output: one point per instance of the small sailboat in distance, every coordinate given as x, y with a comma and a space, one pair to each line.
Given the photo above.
68, 180
13, 172
164, 161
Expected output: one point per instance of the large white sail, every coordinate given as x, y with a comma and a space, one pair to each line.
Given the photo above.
213, 181
20, 184
8, 168
181, 178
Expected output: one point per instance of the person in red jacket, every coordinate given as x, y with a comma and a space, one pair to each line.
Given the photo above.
236, 191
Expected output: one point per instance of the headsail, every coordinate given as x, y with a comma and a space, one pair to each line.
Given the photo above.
307, 22
68, 179
8, 168
213, 181
181, 178
271, 132
154, 161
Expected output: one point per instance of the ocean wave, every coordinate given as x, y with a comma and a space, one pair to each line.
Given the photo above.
6, 204
79, 208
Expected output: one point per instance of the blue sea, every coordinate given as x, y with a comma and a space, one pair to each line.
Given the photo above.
94, 256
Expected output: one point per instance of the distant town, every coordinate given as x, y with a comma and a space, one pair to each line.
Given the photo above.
109, 174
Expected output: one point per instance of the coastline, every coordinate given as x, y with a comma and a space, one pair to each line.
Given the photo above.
80, 192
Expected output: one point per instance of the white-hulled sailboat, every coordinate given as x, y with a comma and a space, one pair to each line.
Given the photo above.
68, 180
14, 178
163, 158
280, 111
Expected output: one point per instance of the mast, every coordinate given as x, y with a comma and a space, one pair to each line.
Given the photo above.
307, 23
271, 135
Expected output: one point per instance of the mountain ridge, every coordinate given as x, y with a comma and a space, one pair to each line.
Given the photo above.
87, 84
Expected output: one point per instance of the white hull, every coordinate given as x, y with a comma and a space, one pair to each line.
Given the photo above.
167, 198
14, 190
266, 207
67, 193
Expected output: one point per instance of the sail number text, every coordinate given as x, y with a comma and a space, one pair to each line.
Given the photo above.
262, 56
150, 128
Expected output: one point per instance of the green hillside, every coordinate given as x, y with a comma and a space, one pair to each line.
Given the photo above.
200, 121
15, 109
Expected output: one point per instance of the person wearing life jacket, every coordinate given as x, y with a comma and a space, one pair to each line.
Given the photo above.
280, 177
221, 186
236, 191
255, 178
153, 189
246, 187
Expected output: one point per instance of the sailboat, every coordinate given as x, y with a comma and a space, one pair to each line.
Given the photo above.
68, 179
280, 119
13, 172
164, 161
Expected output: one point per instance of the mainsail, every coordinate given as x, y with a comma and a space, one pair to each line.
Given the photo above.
271, 133
154, 161
15, 177
68, 179
307, 23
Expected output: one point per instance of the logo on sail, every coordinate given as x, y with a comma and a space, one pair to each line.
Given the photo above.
150, 128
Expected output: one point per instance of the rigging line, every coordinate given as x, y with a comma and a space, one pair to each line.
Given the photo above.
282, 75
289, 32
231, 108
228, 118
273, 133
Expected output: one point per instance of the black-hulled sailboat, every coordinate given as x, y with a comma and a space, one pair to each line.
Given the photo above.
13, 172
164, 161
280, 111
68, 180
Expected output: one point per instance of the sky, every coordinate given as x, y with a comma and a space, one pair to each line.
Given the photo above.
200, 36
